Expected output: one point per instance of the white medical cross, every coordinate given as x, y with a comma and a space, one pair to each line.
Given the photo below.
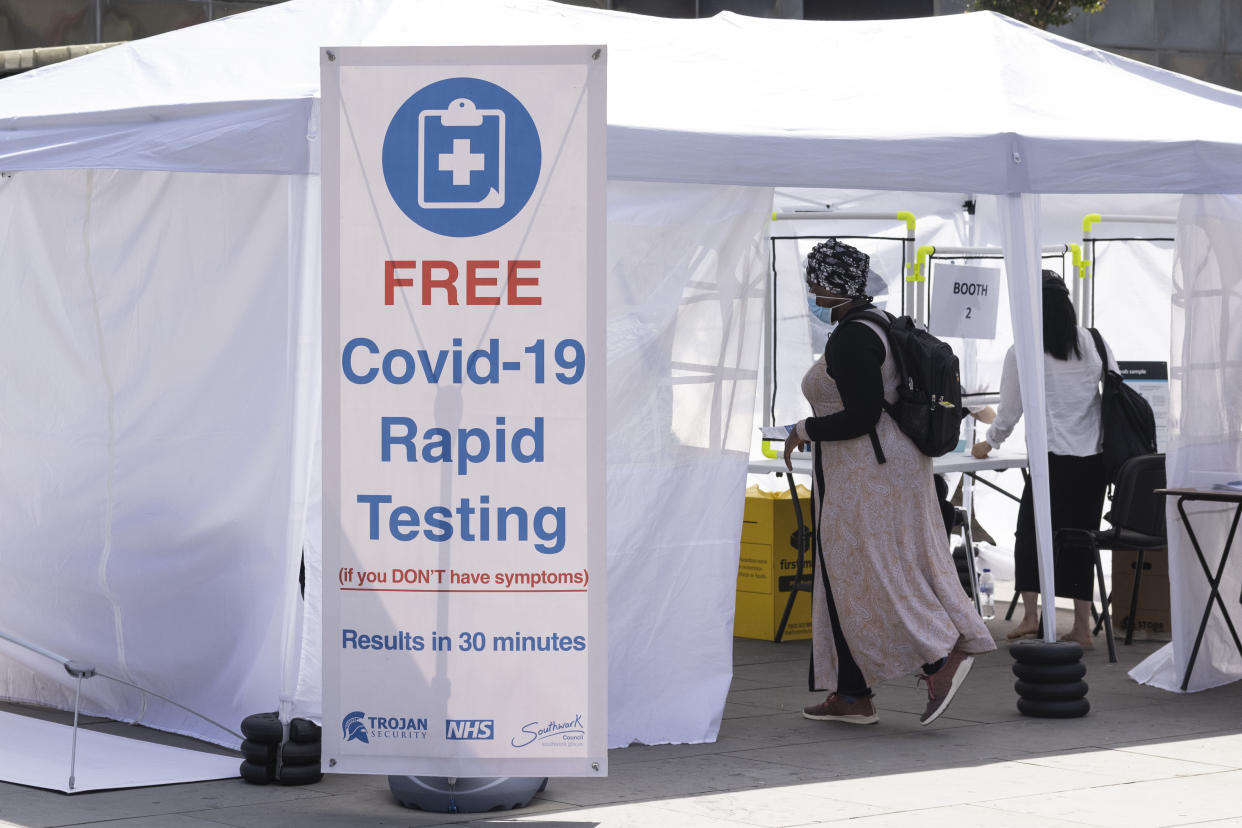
461, 161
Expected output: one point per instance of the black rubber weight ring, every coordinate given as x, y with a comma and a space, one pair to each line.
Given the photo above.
300, 774
257, 774
1042, 652
1050, 673
303, 730
300, 753
1050, 691
260, 753
263, 727
1043, 709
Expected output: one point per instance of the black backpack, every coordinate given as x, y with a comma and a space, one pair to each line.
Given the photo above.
928, 409
1126, 419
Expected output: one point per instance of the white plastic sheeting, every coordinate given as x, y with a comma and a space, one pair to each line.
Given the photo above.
1205, 439
37, 753
686, 273
154, 437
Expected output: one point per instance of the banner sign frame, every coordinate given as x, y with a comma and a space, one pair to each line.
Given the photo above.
464, 295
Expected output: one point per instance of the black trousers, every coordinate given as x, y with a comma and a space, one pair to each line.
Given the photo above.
850, 681
1076, 488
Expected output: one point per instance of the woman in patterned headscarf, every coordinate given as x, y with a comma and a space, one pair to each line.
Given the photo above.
888, 601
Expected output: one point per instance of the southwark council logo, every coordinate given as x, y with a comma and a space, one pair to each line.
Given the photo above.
461, 157
551, 733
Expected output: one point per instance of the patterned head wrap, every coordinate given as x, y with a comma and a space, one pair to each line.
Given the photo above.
839, 268
1052, 281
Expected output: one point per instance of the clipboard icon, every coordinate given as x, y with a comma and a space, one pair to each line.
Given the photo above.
462, 157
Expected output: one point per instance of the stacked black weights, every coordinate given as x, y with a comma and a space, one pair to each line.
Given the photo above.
270, 757
1050, 684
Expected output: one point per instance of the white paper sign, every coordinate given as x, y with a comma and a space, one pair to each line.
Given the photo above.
964, 301
464, 602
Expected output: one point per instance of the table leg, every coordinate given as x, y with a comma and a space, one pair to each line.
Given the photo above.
975, 476
1213, 583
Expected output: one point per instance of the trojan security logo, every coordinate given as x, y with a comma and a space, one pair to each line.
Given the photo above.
363, 728
461, 157
354, 727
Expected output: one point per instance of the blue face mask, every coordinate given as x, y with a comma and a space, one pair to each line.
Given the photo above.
821, 313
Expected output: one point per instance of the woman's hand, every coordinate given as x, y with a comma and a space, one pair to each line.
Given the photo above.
980, 449
792, 443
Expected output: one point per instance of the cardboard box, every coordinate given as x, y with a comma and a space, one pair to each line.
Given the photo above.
1152, 618
767, 568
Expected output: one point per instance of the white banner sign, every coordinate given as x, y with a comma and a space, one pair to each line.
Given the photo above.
965, 301
463, 421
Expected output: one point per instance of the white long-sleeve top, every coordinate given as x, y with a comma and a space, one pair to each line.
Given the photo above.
1071, 400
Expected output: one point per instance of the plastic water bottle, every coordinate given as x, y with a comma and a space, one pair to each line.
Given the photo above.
987, 588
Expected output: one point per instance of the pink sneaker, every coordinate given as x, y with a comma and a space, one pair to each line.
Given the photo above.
836, 709
942, 685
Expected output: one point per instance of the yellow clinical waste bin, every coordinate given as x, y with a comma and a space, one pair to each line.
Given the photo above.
768, 566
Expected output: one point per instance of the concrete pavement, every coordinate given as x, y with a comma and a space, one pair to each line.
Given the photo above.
1142, 757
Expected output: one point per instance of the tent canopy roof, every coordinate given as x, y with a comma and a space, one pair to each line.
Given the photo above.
968, 102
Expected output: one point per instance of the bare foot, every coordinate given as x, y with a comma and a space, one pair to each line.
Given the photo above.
1024, 628
1083, 639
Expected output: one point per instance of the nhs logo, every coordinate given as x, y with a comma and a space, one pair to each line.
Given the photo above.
469, 729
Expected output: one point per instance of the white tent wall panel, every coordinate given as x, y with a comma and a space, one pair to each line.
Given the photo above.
686, 273
1205, 437
148, 438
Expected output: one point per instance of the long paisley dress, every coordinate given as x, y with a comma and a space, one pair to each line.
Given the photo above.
894, 583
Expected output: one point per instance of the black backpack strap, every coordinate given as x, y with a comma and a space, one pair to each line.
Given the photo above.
885, 320
875, 446
1099, 347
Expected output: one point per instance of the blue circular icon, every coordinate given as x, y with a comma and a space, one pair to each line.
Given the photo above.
461, 157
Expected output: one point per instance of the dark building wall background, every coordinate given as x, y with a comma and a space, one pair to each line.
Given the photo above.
1200, 38
32, 24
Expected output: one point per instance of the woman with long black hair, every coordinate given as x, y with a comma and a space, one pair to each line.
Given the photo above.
1076, 479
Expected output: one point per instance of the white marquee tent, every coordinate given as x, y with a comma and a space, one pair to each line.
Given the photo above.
159, 407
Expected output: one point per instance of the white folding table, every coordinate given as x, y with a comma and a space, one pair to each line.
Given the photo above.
963, 462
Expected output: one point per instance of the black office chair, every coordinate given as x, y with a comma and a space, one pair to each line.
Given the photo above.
1137, 518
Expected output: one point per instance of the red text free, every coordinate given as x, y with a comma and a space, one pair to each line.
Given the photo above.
481, 283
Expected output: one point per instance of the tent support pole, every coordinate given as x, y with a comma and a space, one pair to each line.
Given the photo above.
73, 750
1020, 227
